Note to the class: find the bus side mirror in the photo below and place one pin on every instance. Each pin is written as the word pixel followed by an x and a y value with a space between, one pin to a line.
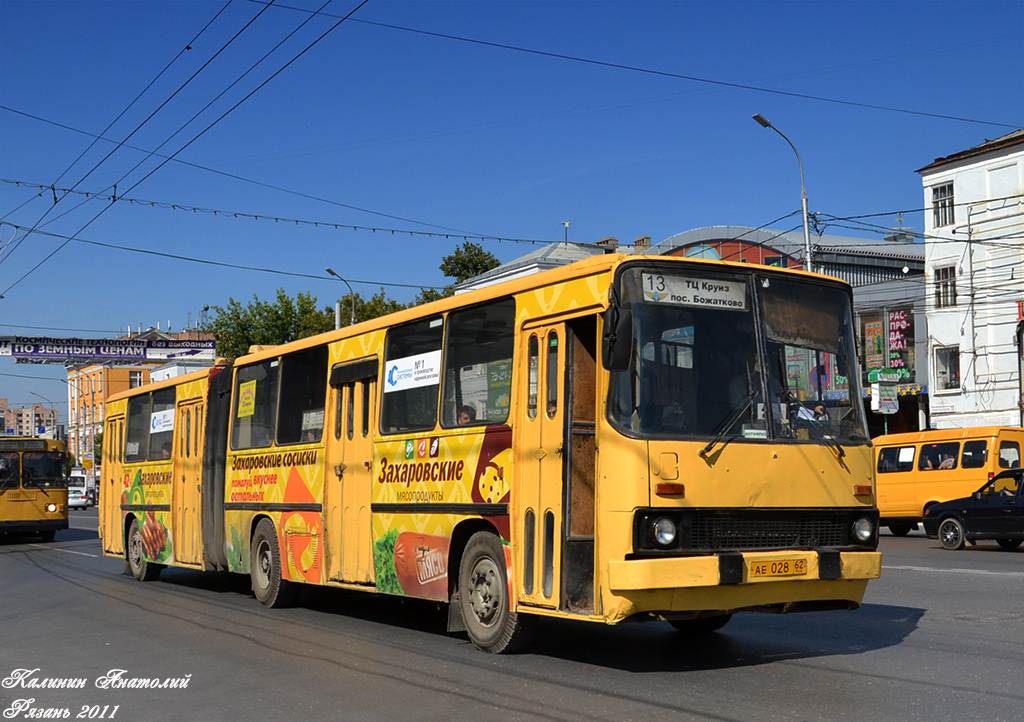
pixel 617 342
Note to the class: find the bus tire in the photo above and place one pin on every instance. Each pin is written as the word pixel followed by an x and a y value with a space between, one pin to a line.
pixel 1008 544
pixel 901 529
pixel 702 625
pixel 138 565
pixel 951 534
pixel 48 535
pixel 270 588
pixel 483 596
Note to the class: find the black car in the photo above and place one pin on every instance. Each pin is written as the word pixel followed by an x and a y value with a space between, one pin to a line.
pixel 995 511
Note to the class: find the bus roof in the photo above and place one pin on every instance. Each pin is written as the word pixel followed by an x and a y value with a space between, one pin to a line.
pixel 932 435
pixel 605 264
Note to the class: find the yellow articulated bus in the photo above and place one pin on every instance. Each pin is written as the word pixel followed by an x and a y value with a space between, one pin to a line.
pixel 33 486
pixel 621 438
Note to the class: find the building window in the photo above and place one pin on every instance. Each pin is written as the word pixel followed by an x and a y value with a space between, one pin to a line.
pixel 942 205
pixel 134 379
pixel 945 287
pixel 947 368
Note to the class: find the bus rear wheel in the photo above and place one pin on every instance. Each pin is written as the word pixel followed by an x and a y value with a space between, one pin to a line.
pixel 138 565
pixel 491 624
pixel 270 588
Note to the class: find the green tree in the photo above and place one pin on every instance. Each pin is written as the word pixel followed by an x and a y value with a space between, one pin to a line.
pixel 264 323
pixel 97 448
pixel 464 263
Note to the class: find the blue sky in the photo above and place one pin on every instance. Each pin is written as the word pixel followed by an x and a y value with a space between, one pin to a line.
pixel 433 117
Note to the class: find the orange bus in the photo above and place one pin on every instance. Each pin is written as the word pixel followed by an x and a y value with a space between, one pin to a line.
pixel 622 438
pixel 33 486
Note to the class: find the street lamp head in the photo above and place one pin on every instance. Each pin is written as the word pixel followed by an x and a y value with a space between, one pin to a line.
pixel 764 122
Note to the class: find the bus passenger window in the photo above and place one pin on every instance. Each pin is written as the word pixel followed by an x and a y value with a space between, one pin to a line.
pixel 161 425
pixel 1009 455
pixel 300 417
pixel 255 405
pixel 478 364
pixel 975 454
pixel 411 376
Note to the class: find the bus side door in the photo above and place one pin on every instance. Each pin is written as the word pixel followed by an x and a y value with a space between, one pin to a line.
pixel 111 488
pixel 541 432
pixel 349 475
pixel 556 457
pixel 186 484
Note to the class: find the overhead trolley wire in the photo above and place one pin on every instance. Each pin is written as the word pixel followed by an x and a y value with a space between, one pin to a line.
pixel 121 143
pixel 199 135
pixel 664 73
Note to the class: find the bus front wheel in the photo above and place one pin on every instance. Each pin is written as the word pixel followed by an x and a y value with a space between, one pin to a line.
pixel 138 565
pixel 265 568
pixel 701 625
pixel 483 595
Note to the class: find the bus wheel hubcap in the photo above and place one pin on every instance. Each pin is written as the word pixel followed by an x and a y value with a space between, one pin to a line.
pixel 485 597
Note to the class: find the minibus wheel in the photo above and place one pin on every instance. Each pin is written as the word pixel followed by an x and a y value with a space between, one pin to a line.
pixel 899 529
pixel 1008 544
pixel 483 595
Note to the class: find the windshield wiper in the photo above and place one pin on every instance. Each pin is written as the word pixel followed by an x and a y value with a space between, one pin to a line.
pixel 734 416
pixel 827 439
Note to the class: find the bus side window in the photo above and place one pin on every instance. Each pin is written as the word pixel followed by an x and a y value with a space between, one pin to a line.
pixel 1009 455
pixel 412 363
pixel 478 364
pixel 975 454
pixel 300 415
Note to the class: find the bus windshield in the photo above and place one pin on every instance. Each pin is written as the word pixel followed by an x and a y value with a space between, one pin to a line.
pixel 43 470
pixel 739 356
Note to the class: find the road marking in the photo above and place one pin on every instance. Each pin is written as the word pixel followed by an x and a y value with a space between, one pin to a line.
pixel 66 551
pixel 953 571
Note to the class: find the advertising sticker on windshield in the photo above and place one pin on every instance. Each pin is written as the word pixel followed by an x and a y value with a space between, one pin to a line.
pixel 692 291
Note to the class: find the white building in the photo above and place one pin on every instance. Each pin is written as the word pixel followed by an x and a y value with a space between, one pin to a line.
pixel 974 266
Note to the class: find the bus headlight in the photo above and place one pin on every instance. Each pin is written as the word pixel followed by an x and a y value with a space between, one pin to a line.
pixel 863 530
pixel 51 508
pixel 664 532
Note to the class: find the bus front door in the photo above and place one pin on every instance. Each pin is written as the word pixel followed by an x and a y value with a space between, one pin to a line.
pixel 557 459
pixel 541 486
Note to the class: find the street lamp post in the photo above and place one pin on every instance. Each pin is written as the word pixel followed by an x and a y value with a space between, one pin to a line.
pixel 351 293
pixel 53 408
pixel 765 123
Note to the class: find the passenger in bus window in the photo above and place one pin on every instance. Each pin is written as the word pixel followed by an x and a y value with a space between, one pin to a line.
pixel 467 415
pixel 165 450
pixel 947 462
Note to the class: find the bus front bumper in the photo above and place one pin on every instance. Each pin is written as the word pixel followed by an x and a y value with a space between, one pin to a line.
pixel 742 568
